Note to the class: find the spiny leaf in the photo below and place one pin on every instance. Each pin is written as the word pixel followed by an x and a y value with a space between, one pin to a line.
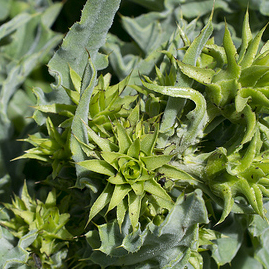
pixel 197 117
pixel 199 42
pixel 122 208
pixel 76 79
pixel 153 187
pixel 98 166
pixel 252 49
pixel 246 37
pixel 117 179
pixel 103 143
pixel 134 149
pixel 202 75
pixel 102 200
pixel 148 142
pixel 176 174
pixel 119 193
pixel 138 188
pixel 154 162
pixel 134 202
pixel 123 138
pixel 233 69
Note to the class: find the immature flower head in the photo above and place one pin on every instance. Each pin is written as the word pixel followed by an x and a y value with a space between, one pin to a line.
pixel 53 149
pixel 44 218
pixel 129 166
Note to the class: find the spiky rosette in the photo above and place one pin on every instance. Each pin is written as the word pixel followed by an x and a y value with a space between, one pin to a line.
pixel 129 164
pixel 53 149
pixel 32 215
pixel 106 101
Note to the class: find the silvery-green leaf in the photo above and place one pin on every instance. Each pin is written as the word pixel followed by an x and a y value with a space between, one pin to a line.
pixel 15 256
pixel 226 248
pixel 166 246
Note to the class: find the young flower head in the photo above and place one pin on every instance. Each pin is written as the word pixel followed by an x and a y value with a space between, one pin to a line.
pixel 44 218
pixel 128 166
pixel 53 149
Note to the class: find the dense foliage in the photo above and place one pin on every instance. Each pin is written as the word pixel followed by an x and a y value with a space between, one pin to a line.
pixel 136 137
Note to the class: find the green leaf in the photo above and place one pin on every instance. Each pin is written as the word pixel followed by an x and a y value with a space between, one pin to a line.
pixel 14 256
pixel 138 188
pixel 76 79
pixel 103 143
pixel 153 187
pixel 195 49
pixel 177 174
pixel 134 203
pixel 117 179
pixel 246 37
pixel 175 105
pixel 202 75
pixel 112 158
pixel 102 200
pixel 119 193
pixel 251 152
pixel 226 248
pixel 122 208
pixel 165 246
pixel 197 117
pixel 123 138
pixel 26 198
pixel 134 149
pixel 9 27
pixel 51 13
pixel 252 49
pixel 154 162
pixel 98 166
pixel 233 69
pixel 148 142
pixel 5 9
pixel 79 50
pixel 87 35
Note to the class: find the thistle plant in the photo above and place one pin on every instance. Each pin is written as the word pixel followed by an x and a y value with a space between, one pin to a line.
pixel 232 87
pixel 144 170
pixel 235 83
